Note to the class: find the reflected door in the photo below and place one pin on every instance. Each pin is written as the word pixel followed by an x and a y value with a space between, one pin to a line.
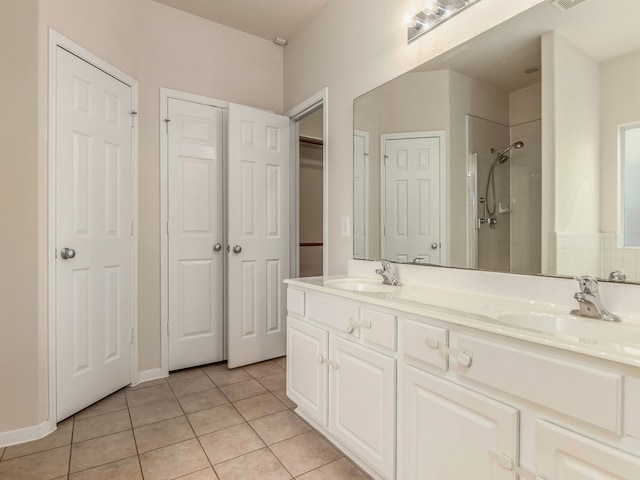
pixel 360 194
pixel 196 258
pixel 94 234
pixel 259 234
pixel 411 198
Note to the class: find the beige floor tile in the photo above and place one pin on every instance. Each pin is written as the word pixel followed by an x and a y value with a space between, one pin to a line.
pixel 282 361
pixel 230 443
pixel 258 465
pixel 341 469
pixel 273 383
pixel 214 419
pixel 60 437
pixel 242 390
pixel 282 396
pixel 114 402
pixel 1 452
pixel 101 425
pixel 127 469
pixel 173 461
pixel 190 385
pixel 228 377
pixel 150 383
pixel 155 412
pixel 194 402
pixel 206 474
pixel 184 374
pixel 99 451
pixel 262 369
pixel 279 426
pixel 37 466
pixel 305 452
pixel 216 368
pixel 144 396
pixel 256 407
pixel 163 433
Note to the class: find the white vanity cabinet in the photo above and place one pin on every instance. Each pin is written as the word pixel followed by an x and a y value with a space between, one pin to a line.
pixel 340 383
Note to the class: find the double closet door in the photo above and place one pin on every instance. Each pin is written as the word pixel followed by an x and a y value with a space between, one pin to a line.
pixel 228 233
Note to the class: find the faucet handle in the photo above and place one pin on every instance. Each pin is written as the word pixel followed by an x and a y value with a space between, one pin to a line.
pixel 588 284
pixel 386 264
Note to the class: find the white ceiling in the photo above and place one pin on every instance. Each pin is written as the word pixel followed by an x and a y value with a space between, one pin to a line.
pixel 264 18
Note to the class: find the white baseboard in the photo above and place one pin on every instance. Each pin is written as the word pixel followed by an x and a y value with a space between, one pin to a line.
pixel 148 375
pixel 27 434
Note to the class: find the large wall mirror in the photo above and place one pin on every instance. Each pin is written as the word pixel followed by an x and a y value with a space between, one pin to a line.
pixel 517 151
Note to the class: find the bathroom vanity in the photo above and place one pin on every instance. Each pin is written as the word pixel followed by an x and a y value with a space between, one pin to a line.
pixel 425 381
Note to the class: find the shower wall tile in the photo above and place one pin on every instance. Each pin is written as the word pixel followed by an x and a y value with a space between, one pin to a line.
pixel 579 254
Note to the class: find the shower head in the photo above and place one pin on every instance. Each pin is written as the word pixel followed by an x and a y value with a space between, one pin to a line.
pixel 503 157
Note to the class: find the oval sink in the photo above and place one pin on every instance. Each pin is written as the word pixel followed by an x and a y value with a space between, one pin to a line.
pixel 360 285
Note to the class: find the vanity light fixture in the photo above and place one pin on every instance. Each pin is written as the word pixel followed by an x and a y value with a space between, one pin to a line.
pixel 432 14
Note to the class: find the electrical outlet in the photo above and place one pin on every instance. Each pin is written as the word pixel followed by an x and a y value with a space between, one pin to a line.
pixel 344 226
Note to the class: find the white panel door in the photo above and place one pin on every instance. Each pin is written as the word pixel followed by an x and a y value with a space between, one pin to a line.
pixel 258 233
pixel 411 200
pixel 360 194
pixel 196 260
pixel 93 219
pixel 362 402
pixel 452 433
pixel 307 368
pixel 565 455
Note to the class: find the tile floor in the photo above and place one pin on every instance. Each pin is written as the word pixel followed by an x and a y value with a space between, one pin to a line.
pixel 204 423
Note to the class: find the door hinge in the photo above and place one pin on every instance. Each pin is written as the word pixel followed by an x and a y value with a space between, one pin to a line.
pixel 386 157
pixel 166 122
pixel 167 228
pixel 133 114
pixel 131 228
pixel 132 334
pixel 167 328
pixel 384 230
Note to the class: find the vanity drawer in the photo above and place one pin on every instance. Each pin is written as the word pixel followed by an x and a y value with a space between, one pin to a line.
pixel 339 315
pixel 590 395
pixel 379 328
pixel 417 338
pixel 295 301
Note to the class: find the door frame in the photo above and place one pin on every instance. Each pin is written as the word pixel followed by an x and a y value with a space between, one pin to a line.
pixel 365 135
pixel 56 40
pixel 165 95
pixel 440 134
pixel 297 113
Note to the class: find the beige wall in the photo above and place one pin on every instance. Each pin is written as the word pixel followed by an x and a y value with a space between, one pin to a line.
pixel 158 46
pixel 352 47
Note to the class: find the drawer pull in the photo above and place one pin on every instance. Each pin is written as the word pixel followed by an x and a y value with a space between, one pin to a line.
pixel 463 357
pixel 366 324
pixel 334 365
pixel 350 327
pixel 508 464
pixel 320 359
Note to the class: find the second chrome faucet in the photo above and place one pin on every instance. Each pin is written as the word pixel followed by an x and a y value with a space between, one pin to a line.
pixel 589 300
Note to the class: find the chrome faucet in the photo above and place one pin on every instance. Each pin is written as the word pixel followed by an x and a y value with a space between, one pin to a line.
pixel 589 300
pixel 388 277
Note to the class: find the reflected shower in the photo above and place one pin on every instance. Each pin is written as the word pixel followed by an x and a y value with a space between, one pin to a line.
pixel 490 205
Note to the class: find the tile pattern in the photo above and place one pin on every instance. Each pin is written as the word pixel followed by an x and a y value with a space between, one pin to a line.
pixel 205 423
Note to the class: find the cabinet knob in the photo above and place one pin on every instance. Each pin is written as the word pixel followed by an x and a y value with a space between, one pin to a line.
pixel 464 359
pixel 320 359
pixel 350 326
pixel 433 343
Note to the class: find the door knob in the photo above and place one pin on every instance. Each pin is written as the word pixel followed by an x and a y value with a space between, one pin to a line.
pixel 434 245
pixel 236 249
pixel 67 253
pixel 217 247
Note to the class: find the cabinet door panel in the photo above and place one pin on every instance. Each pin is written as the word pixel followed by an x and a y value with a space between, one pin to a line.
pixel 362 406
pixel 307 368
pixel 452 433
pixel 564 455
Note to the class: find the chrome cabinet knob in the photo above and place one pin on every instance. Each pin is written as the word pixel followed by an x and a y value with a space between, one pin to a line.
pixel 67 253
pixel 217 247
pixel 236 249
pixel 434 245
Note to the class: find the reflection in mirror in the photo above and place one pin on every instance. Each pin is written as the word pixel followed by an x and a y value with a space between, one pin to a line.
pixel 502 154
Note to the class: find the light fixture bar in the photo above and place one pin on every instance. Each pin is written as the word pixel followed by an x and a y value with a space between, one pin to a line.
pixel 433 14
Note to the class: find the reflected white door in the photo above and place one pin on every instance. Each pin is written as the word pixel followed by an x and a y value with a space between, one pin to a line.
pixel 360 193
pixel 195 234
pixel 411 199
pixel 93 218
pixel 258 233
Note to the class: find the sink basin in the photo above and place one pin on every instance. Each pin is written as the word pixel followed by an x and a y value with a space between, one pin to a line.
pixel 360 285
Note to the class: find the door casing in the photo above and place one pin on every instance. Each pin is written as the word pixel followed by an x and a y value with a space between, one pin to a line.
pixel 56 41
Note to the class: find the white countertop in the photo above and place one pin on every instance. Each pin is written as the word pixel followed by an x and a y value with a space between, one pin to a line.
pixel 534 321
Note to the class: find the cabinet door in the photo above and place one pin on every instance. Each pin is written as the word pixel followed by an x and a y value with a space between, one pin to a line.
pixel 564 455
pixel 452 433
pixel 307 368
pixel 362 402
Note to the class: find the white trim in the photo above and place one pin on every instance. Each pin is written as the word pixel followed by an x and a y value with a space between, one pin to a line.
pixel 57 40
pixel 297 113
pixel 165 95
pixel 28 434
pixel 365 135
pixel 440 134
pixel 148 375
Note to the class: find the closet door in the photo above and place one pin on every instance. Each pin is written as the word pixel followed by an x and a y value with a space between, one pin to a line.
pixel 258 233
